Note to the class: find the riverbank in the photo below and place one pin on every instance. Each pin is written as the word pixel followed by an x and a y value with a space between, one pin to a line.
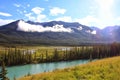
pixel 30 69
pixel 107 69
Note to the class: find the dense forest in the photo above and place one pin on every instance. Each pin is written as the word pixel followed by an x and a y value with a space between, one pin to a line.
pixel 17 56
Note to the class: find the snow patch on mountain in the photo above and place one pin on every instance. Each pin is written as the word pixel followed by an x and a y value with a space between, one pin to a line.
pixel 26 27
pixel 93 32
pixel 79 28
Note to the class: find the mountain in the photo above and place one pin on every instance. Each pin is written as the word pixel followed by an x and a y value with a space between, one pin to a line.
pixel 56 33
pixel 46 33
pixel 111 33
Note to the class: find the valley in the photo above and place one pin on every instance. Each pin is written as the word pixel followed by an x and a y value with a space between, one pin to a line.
pixel 59 40
pixel 27 44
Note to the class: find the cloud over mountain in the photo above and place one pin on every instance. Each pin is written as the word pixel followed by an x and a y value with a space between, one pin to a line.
pixel 23 26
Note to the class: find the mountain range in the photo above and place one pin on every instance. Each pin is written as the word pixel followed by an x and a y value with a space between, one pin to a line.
pixel 56 33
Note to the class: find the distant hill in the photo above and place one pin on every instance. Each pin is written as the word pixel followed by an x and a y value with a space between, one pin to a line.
pixel 54 33
pixel 109 34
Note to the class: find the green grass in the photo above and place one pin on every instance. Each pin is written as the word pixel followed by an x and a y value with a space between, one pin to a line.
pixel 105 69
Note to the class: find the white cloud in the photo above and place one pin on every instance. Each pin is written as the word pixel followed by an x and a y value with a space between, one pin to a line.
pixel 36 15
pixel 5 14
pixel 3 22
pixel 88 20
pixel 101 15
pixel 40 17
pixel 105 13
pixel 93 9
pixel 105 9
pixel 23 26
pixel 56 10
pixel 37 10
pixel 118 19
pixel 29 16
pixel 17 5
pixel 65 18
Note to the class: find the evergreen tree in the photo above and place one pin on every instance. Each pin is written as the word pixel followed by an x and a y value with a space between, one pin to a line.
pixel 47 57
pixel 3 72
pixel 90 57
pixel 56 55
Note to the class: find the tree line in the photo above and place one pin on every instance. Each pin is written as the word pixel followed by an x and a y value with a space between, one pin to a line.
pixel 16 56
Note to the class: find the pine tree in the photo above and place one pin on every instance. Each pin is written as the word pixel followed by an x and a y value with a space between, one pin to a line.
pixel 56 55
pixel 47 57
pixel 90 57
pixel 3 72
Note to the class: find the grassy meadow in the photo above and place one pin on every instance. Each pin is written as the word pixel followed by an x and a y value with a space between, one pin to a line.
pixel 104 69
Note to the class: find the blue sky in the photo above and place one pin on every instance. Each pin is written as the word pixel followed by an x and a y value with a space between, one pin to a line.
pixel 99 13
